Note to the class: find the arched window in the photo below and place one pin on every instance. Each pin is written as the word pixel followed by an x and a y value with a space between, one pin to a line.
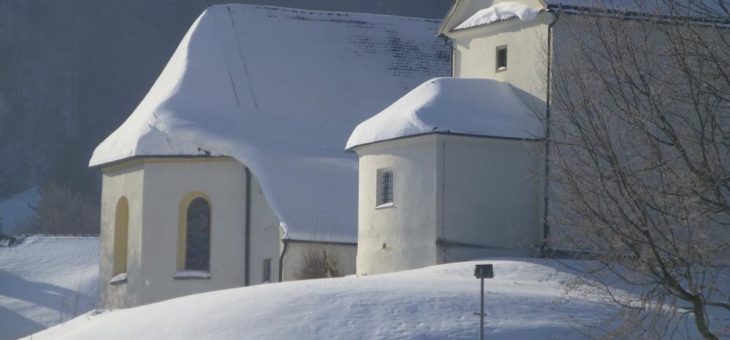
pixel 121 229
pixel 194 243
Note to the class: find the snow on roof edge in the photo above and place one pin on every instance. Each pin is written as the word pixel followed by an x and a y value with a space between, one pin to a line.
pixel 499 12
pixel 612 9
pixel 452 105
pixel 445 133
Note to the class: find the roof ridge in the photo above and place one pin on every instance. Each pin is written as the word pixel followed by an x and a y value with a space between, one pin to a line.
pixel 319 11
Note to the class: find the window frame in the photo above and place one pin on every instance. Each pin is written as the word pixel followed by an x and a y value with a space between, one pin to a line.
pixel 266 270
pixel 182 269
pixel 120 242
pixel 382 199
pixel 499 67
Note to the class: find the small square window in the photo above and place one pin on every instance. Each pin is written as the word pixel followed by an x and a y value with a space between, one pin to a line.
pixel 385 187
pixel 501 58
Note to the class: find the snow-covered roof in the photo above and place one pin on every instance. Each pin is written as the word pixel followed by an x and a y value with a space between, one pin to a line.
pixel 472 13
pixel 695 10
pixel 479 107
pixel 498 12
pixel 686 7
pixel 279 89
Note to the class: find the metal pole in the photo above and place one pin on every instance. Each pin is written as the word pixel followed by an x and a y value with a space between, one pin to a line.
pixel 481 315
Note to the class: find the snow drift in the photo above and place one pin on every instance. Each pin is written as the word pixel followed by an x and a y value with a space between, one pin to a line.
pixel 523 301
pixel 45 280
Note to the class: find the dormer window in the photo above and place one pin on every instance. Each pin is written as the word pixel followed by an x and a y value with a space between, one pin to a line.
pixel 501 58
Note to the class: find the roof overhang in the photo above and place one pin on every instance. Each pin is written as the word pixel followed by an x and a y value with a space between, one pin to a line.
pixel 142 158
pixel 353 149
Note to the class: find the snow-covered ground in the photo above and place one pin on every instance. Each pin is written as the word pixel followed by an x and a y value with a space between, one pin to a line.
pixel 45 280
pixel 524 301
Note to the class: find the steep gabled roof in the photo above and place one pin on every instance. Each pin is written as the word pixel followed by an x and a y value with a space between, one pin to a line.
pixel 279 89
pixel 477 107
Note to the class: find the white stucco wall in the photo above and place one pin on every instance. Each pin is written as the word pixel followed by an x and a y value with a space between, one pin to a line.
pixel 402 236
pixel 458 197
pixel 572 39
pixel 160 185
pixel 120 182
pixel 493 197
pixel 527 65
pixel 343 256
pixel 455 198
pixel 565 53
pixel 265 236
pixel 475 55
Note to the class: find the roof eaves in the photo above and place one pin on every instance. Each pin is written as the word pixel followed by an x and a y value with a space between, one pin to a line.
pixel 143 157
pixel 442 28
pixel 446 133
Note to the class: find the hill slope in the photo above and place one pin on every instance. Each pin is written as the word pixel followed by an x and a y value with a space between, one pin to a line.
pixel 524 301
pixel 45 280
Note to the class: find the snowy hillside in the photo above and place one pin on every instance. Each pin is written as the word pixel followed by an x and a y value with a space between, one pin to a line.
pixel 524 301
pixel 45 280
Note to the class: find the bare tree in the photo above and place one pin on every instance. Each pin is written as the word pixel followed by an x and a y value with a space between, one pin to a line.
pixel 64 211
pixel 639 145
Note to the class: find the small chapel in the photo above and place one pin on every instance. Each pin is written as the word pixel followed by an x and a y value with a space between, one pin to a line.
pixel 231 170
pixel 454 170
pixel 276 138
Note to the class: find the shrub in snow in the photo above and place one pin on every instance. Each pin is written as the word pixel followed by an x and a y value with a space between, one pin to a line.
pixel 7 240
pixel 317 263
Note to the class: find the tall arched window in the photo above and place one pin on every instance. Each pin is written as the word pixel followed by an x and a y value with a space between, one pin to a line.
pixel 194 244
pixel 121 229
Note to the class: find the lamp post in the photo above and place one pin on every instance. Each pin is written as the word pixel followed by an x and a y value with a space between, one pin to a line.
pixel 483 271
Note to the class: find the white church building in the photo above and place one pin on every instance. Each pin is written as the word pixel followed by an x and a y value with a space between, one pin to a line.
pixel 232 170
pixel 449 172
pixel 454 170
